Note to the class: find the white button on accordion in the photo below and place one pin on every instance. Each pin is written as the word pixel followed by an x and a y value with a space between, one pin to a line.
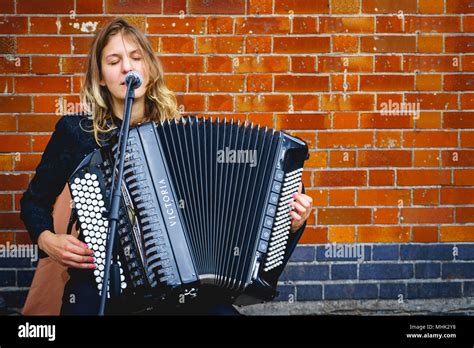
pixel 205 206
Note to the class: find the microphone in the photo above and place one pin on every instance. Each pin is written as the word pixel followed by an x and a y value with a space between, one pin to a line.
pixel 133 79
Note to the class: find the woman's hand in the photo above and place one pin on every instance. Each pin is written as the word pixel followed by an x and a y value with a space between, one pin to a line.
pixel 302 205
pixel 66 249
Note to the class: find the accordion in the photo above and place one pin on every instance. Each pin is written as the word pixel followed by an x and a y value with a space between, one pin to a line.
pixel 205 206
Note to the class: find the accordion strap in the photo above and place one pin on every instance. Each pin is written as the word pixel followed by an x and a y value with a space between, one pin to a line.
pixel 72 219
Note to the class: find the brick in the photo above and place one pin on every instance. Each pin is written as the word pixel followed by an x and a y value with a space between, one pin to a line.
pixel 425 234
pixel 81 25
pixel 8 45
pixel 44 25
pixel 14 65
pixel 306 272
pixel 320 197
pixel 216 7
pixel 467 139
pixel 458 120
pixel 459 6
pixel 427 215
pixel 304 25
pixel 301 44
pixel 259 83
pixel 346 24
pixel 463 158
pixel 388 44
pixel 344 216
pixel 25 277
pixel 389 24
pixel 219 64
pixel 390 63
pixel 74 65
pixel 220 25
pixel 430 43
pixel 342 159
pixel 386 82
pixel 347 83
pixel 6 164
pixel 45 65
pixel 468 289
pixel 349 102
pixel 427 270
pixel 301 83
pixel 464 177
pixel 341 234
pixel 465 252
pixel 285 293
pixel 459 44
pixel 381 158
pixel 14 25
pixel 14 143
pixel 344 139
pixel 428 82
pixel 27 162
pixel 220 103
pixel 258 44
pixel 428 120
pixel 388 6
pixel 301 7
pixel 385 252
pixel 388 139
pixel 349 63
pixel 89 6
pixel 317 159
pixel 40 7
pixel 425 196
pixel 432 24
pixel 430 139
pixel 260 7
pixel 459 82
pixel 183 63
pixel 7 278
pixel 431 6
pixel 426 252
pixel 176 25
pixel 307 102
pixel 345 120
pixel 308 292
pixel 340 178
pixel 215 44
pixel 15 299
pixel 467 62
pixel 345 6
pixel 314 235
pixel 386 216
pixel 11 182
pixel 339 272
pixel 464 214
pixel 7 6
pixel 43 44
pixel 82 44
pixel 457 270
pixel 429 63
pixel 341 198
pixel 383 197
pixel 192 102
pixel 302 121
pixel 261 64
pixel 457 233
pixel 264 25
pixel 457 196
pixel 15 104
pixel 383 234
pixel 303 64
pixel 42 84
pixel 350 291
pixel 303 254
pixel 262 103
pixel 392 291
pixel 433 101
pixel 133 6
pixel 345 43
pixel 385 271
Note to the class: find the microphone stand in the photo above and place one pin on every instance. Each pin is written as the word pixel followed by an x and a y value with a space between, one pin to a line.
pixel 112 268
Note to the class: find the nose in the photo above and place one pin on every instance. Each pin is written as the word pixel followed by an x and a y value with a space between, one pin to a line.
pixel 126 65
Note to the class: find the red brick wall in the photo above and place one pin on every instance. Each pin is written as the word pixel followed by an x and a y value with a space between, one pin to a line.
pixel 322 69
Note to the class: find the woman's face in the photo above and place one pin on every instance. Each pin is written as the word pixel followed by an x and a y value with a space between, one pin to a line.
pixel 120 56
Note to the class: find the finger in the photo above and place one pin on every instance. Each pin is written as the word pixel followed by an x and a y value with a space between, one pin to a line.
pixel 76 241
pixel 78 250
pixel 300 187
pixel 78 258
pixel 295 215
pixel 80 265
pixel 303 200
pixel 299 207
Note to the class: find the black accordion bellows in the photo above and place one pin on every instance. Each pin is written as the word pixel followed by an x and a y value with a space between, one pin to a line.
pixel 205 206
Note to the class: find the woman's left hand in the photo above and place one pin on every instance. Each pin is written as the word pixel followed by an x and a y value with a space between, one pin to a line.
pixel 302 205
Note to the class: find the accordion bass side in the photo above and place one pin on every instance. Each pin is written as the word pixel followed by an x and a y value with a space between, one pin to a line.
pixel 205 207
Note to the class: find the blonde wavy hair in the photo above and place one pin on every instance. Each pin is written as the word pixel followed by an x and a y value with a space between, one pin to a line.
pixel 96 100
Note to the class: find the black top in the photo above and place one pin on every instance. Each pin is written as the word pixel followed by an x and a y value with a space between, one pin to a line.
pixel 71 141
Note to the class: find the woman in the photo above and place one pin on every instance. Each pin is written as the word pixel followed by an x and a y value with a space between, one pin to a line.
pixel 117 49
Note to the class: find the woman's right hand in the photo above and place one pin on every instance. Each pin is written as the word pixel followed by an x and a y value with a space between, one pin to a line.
pixel 66 249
